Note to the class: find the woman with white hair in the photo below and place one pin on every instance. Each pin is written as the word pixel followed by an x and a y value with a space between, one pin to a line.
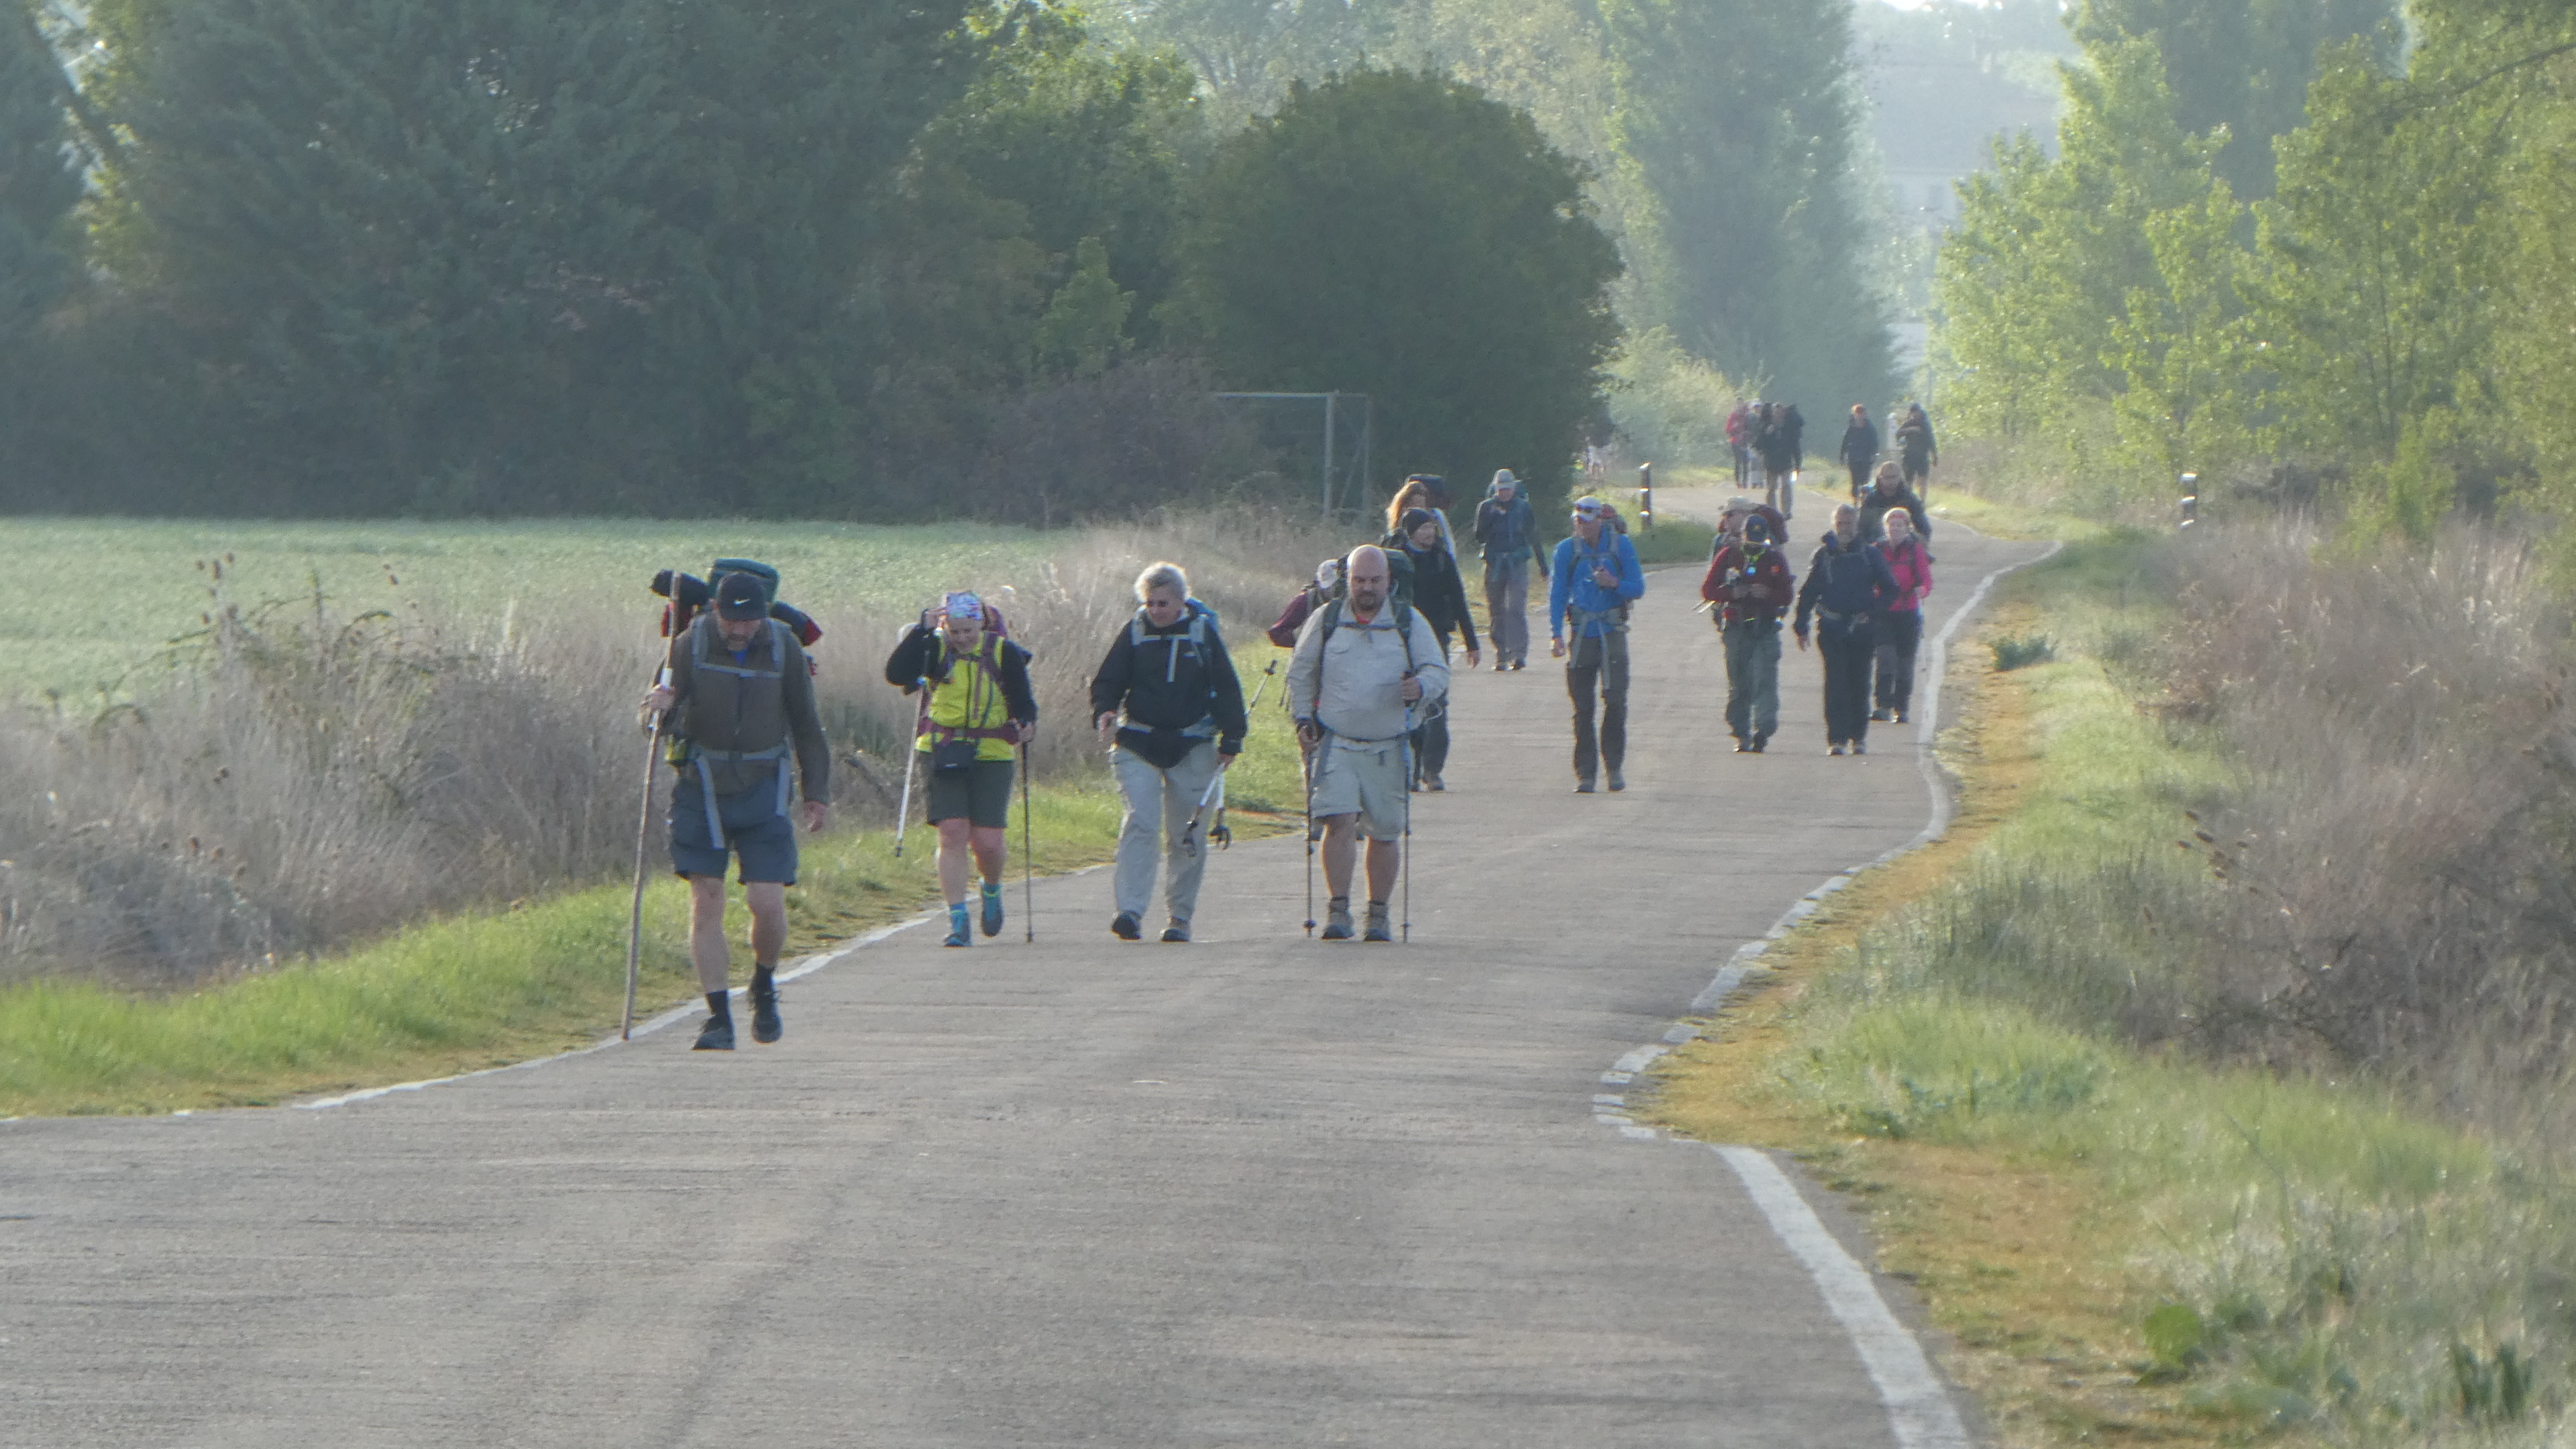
pixel 1167 702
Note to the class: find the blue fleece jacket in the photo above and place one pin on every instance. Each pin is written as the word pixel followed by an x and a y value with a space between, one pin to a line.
pixel 1570 584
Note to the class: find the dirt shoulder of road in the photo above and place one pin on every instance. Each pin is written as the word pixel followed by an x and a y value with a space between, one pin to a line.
pixel 2022 1263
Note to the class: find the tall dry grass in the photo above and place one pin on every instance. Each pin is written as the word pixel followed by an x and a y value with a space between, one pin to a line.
pixel 306 780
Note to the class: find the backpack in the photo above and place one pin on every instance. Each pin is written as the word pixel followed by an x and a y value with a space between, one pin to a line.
pixel 1399 576
pixel 688 594
pixel 1201 625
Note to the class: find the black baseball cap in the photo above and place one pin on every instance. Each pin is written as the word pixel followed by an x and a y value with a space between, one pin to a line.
pixel 739 597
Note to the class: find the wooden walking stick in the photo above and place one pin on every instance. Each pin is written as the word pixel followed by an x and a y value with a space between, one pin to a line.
pixel 643 828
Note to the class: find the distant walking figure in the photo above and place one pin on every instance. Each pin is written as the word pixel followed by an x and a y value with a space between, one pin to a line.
pixel 1751 586
pixel 1915 447
pixel 1507 535
pixel 1900 625
pixel 1860 448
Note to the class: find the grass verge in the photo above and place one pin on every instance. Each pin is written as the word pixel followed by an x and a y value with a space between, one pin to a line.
pixel 2126 1246
pixel 476 991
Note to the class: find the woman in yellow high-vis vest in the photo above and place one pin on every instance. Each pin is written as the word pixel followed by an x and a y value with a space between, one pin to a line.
pixel 980 711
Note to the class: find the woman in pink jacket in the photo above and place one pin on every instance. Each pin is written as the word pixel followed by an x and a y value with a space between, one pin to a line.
pixel 1900 626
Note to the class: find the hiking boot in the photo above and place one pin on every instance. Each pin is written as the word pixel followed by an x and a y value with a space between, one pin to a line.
pixel 1618 781
pixel 716 1035
pixel 1761 743
pixel 1901 718
pixel 1835 749
pixel 1582 787
pixel 765 1025
pixel 1126 927
pixel 992 922
pixel 1860 747
pixel 1519 664
pixel 1177 934
pixel 1432 784
pixel 1337 921
pixel 1377 927
pixel 1880 714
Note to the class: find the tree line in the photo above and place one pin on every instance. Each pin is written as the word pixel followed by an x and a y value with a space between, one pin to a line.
pixel 868 258
pixel 2298 248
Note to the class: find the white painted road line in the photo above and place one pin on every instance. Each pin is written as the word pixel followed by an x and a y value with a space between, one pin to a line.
pixel 1919 1411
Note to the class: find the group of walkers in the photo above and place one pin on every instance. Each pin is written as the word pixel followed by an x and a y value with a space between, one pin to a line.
pixel 1769 440
pixel 1916 452
pixel 1860 606
pixel 1368 683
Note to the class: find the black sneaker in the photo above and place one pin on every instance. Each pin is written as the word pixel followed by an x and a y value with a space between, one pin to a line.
pixel 765 1025
pixel 1860 747
pixel 1126 927
pixel 1761 743
pixel 716 1035
pixel 1177 934
pixel 1880 714
pixel 1743 746
pixel 1618 782
pixel 1582 787
pixel 1901 718
pixel 1836 749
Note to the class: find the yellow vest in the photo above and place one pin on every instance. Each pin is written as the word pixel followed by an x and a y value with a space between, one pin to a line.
pixel 971 698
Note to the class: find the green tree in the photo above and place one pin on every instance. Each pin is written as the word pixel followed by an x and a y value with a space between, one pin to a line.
pixel 2380 268
pixel 1735 123
pixel 490 254
pixel 1408 237
pixel 2241 64
pixel 40 181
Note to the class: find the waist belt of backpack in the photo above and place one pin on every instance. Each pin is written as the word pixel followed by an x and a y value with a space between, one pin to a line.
pixel 940 734
pixel 1825 613
pixel 1586 618
pixel 707 781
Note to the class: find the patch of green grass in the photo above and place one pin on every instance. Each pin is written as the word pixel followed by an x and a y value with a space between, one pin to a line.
pixel 144 585
pixel 476 991
pixel 2303 1255
pixel 1673 540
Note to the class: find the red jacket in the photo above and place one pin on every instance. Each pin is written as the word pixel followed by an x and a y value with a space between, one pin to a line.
pixel 1912 568
pixel 1292 619
pixel 1761 598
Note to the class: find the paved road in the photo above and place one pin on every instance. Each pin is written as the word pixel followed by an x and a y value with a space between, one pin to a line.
pixel 1252 1191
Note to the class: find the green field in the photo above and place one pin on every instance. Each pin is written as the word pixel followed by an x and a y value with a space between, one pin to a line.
pixel 140 584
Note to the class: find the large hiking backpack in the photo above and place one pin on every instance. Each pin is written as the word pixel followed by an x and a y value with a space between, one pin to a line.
pixel 688 594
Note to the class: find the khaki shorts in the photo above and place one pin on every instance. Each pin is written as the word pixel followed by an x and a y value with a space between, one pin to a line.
pixel 1363 780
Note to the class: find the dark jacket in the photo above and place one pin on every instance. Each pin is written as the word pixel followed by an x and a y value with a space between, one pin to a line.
pixel 1794 423
pixel 1504 530
pixel 1777 444
pixel 922 653
pixel 1761 595
pixel 1166 684
pixel 1852 583
pixel 1860 444
pixel 1914 437
pixel 1874 504
pixel 1439 594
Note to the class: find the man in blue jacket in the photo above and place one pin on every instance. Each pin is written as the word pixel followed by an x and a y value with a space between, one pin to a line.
pixel 1594 579
pixel 1848 584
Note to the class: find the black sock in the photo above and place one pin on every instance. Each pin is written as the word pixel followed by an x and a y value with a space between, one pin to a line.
pixel 719 1006
pixel 764 978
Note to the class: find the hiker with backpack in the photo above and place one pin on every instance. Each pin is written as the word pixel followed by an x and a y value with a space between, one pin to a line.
pixel 1887 493
pixel 1594 579
pixel 1749 587
pixel 1847 586
pixel 1167 700
pixel 1900 624
pixel 739 699
pixel 1916 448
pixel 1778 444
pixel 977 711
pixel 1506 534
pixel 1328 581
pixel 1860 447
pixel 1440 596
pixel 1365 665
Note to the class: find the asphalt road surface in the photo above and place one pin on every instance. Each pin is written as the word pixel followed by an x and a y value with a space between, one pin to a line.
pixel 1257 1190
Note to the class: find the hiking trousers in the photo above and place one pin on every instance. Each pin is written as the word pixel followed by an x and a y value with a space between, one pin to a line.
pixel 1598 662
pixel 1900 635
pixel 1752 678
pixel 1846 649
pixel 1780 490
pixel 1507 609
pixel 1159 803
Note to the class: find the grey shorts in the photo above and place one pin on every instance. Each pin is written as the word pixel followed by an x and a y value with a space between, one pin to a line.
pixel 754 831
pixel 1364 780
pixel 981 792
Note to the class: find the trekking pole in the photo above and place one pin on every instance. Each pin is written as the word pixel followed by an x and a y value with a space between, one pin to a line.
pixel 1028 854
pixel 1407 748
pixel 1309 763
pixel 643 828
pixel 1189 832
pixel 911 759
pixel 1264 684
